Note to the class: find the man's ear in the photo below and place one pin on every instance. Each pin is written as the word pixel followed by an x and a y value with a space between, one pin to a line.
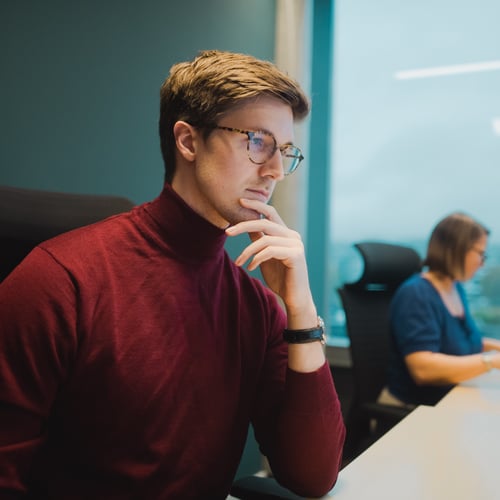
pixel 185 139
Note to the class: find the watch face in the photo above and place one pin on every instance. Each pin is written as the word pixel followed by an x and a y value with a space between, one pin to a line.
pixel 321 324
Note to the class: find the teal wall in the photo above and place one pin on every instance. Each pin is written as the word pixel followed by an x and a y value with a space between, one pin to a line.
pixel 81 79
pixel 80 89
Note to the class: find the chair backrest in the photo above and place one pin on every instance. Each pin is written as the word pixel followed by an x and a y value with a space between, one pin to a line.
pixel 366 306
pixel 29 216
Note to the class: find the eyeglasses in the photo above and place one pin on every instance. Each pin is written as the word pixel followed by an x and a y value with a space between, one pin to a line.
pixel 481 254
pixel 262 145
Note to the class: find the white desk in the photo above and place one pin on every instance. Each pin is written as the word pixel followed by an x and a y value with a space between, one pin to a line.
pixel 481 394
pixel 490 380
pixel 447 452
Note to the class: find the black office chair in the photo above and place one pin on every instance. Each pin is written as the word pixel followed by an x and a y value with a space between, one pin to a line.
pixel 29 216
pixel 366 306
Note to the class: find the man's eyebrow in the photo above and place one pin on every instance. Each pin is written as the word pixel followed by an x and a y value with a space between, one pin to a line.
pixel 267 131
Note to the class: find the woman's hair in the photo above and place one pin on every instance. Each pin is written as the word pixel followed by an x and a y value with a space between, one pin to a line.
pixel 449 243
pixel 201 91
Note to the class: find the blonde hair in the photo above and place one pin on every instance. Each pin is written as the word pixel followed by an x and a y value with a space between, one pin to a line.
pixel 201 91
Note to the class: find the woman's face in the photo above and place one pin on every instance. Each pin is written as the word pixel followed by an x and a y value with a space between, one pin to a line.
pixel 475 257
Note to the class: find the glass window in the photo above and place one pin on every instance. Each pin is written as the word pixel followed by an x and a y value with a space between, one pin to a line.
pixel 416 132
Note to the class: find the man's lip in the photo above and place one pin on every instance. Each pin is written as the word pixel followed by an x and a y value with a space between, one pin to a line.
pixel 259 194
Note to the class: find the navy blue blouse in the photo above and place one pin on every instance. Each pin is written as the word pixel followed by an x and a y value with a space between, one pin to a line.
pixel 420 321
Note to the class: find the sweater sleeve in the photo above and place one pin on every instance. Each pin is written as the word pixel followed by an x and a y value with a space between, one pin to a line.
pixel 302 432
pixel 310 434
pixel 37 335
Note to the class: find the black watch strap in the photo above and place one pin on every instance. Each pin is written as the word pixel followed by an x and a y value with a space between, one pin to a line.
pixel 306 335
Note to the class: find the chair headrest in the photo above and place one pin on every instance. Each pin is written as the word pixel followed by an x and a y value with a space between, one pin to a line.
pixel 386 265
pixel 38 215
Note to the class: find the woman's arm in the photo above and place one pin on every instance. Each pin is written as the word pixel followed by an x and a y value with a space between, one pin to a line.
pixel 490 344
pixel 434 368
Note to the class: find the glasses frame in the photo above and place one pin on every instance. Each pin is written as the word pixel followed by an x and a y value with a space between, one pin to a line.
pixel 481 253
pixel 283 148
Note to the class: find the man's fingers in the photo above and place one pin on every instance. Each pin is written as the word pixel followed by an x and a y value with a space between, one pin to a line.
pixel 270 247
pixel 267 211
pixel 262 226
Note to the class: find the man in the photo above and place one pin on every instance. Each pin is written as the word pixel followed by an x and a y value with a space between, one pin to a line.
pixel 135 353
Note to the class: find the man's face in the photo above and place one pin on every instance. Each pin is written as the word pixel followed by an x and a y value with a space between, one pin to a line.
pixel 223 172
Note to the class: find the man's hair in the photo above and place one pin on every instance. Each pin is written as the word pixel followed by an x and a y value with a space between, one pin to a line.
pixel 201 91
pixel 450 241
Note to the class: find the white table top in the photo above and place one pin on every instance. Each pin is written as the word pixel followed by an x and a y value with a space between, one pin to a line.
pixel 481 393
pixel 490 380
pixel 447 452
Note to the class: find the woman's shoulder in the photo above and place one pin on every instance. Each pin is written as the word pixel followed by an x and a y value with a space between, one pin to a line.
pixel 416 298
pixel 414 282
pixel 416 287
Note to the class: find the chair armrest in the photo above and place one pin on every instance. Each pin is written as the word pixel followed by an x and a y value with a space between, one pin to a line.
pixel 387 413
pixel 260 488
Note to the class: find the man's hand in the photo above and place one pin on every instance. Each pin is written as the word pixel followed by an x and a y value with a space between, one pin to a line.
pixel 279 252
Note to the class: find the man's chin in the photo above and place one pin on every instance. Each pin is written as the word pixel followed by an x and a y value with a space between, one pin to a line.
pixel 247 214
pixel 244 215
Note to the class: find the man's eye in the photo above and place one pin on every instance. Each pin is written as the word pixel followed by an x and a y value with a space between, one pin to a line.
pixel 257 141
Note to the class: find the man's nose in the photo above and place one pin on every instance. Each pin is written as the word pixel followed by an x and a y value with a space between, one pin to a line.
pixel 274 167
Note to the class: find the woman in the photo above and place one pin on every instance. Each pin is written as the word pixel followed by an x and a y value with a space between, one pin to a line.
pixel 436 343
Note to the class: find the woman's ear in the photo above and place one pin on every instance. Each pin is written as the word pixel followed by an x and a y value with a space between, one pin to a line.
pixel 185 140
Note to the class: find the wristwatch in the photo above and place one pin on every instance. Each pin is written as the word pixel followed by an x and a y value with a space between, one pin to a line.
pixel 307 335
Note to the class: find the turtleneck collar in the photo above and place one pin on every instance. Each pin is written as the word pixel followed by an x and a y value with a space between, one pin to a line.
pixel 186 233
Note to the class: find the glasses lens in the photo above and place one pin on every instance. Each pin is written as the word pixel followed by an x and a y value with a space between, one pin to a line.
pixel 292 156
pixel 482 254
pixel 261 146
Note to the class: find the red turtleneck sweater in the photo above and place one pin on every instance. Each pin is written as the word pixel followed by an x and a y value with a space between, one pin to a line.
pixel 134 354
